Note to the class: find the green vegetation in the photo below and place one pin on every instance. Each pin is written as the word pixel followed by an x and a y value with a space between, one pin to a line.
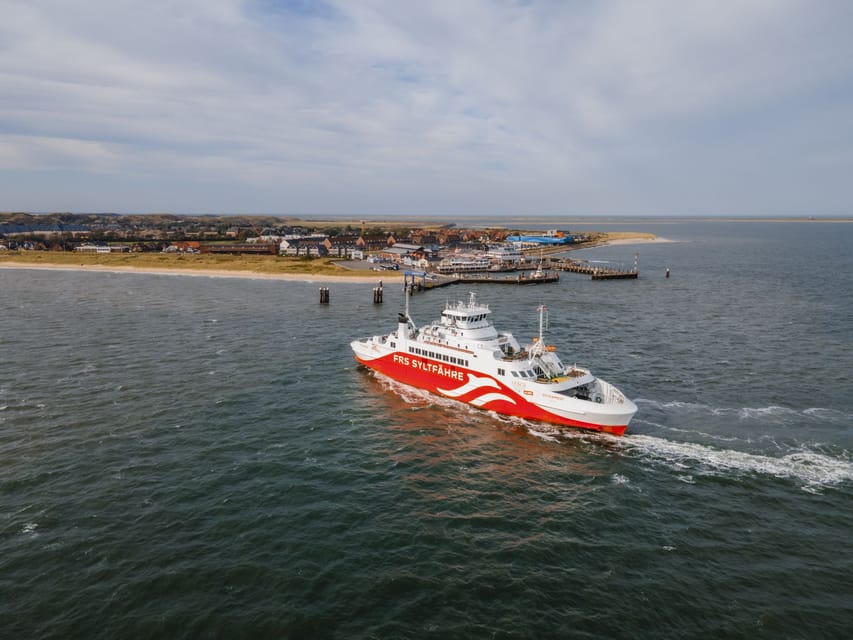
pixel 201 262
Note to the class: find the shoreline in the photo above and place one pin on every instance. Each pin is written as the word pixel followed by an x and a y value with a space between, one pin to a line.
pixel 385 276
pixel 624 241
pixel 210 273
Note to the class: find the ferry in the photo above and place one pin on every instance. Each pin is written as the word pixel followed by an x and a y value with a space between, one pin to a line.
pixel 504 258
pixel 505 253
pixel 463 356
pixel 463 264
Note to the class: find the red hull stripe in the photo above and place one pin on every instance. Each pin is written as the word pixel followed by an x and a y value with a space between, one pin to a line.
pixel 489 394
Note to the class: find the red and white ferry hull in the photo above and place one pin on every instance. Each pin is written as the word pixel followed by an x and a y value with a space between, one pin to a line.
pixel 488 392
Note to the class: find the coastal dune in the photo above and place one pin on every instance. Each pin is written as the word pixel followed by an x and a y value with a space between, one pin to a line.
pixel 388 276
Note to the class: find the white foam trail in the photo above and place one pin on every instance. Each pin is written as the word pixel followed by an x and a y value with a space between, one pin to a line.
pixel 813 469
pixel 542 435
pixel 414 395
pixel 749 413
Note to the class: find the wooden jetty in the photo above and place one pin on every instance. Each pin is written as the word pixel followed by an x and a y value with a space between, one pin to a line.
pixel 540 277
pixel 422 281
pixel 595 271
pixel 439 282
pixel 614 275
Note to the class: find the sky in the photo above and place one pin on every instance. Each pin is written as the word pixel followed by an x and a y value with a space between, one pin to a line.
pixel 447 107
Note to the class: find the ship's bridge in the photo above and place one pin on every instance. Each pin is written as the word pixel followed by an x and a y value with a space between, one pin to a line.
pixel 471 323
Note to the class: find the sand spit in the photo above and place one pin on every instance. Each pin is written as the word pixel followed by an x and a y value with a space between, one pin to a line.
pixel 611 243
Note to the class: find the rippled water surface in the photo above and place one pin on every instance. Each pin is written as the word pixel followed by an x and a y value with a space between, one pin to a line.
pixel 200 457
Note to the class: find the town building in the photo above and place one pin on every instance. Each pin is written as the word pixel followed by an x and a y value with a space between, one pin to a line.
pixel 102 248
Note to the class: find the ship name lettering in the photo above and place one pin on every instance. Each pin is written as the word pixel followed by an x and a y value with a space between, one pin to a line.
pixel 431 367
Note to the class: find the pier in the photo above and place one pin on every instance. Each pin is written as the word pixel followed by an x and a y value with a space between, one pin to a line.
pixel 423 281
pixel 540 277
pixel 414 281
pixel 597 272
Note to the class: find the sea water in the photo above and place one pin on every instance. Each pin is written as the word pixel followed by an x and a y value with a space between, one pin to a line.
pixel 186 457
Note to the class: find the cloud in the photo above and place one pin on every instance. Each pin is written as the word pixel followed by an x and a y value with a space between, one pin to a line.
pixel 441 107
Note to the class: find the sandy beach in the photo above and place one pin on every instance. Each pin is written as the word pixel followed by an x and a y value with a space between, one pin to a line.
pixel 613 243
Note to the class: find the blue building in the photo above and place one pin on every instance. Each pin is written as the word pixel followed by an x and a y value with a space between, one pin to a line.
pixel 555 239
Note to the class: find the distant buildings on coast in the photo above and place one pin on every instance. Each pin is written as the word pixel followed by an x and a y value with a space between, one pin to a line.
pixel 443 248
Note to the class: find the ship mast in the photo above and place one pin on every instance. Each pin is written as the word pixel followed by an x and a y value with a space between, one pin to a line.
pixel 407 293
pixel 539 346
pixel 405 321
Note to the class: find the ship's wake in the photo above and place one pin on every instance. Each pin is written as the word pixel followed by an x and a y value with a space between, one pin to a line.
pixel 803 464
pixel 814 470
pixel 766 441
pixel 783 415
pixel 418 398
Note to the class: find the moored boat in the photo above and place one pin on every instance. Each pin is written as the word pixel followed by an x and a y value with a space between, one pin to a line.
pixel 463 264
pixel 463 356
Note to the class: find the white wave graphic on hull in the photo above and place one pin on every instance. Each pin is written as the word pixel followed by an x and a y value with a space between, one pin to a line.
pixel 426 399
pixel 474 382
pixel 486 398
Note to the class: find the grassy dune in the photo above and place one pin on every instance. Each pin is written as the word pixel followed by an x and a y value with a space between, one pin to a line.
pixel 194 262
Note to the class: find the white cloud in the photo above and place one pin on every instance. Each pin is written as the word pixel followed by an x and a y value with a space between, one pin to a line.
pixel 36 153
pixel 422 107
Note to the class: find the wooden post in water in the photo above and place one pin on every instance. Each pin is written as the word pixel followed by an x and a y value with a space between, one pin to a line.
pixel 377 295
pixel 667 272
pixel 324 295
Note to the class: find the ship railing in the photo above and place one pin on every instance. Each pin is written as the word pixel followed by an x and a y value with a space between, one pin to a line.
pixel 612 395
